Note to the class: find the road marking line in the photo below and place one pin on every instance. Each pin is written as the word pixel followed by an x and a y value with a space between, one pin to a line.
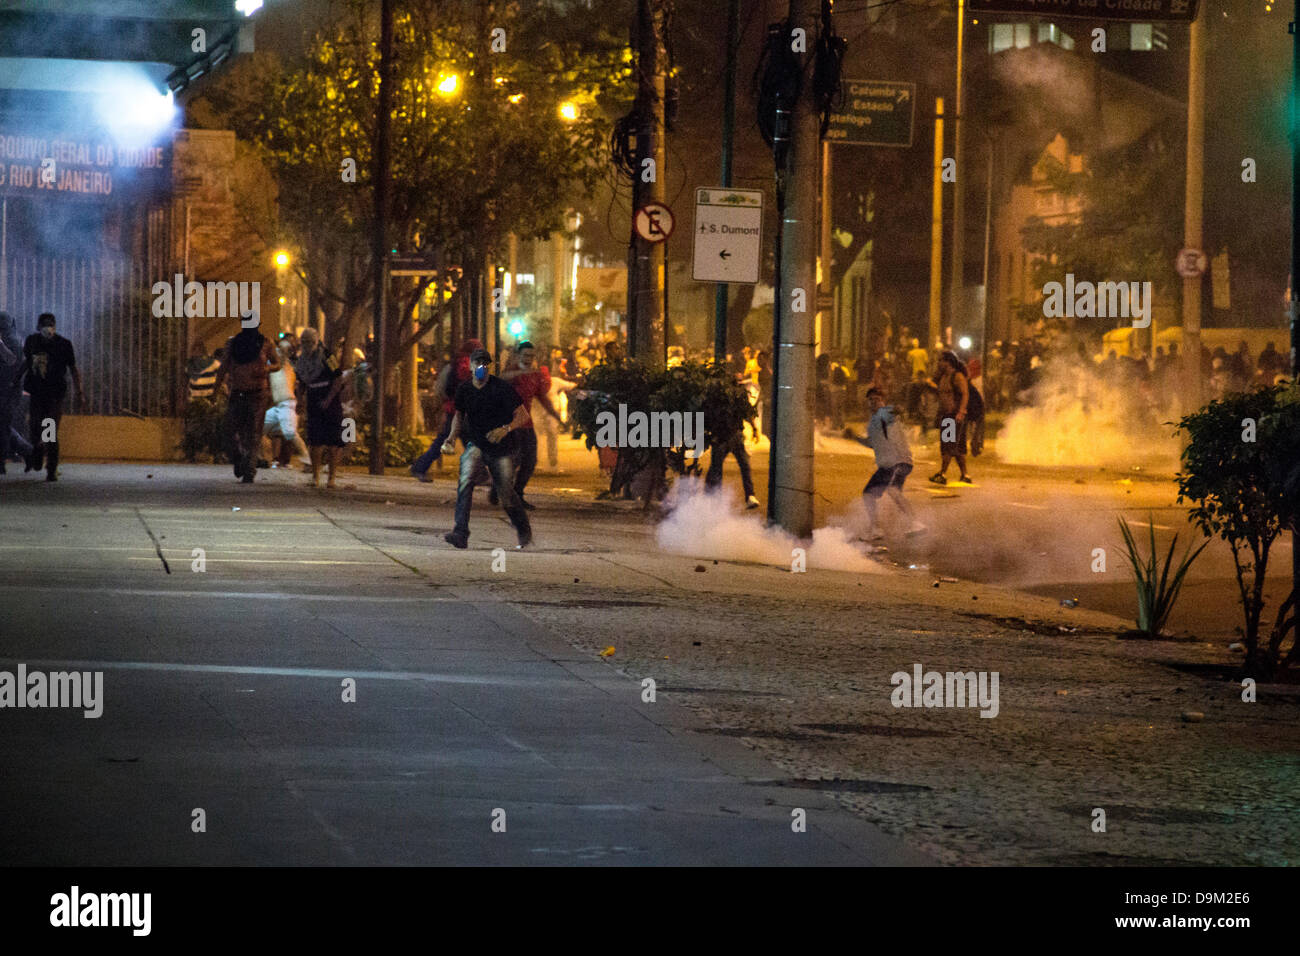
pixel 368 564
pixel 291 671
pixel 1021 504
pixel 224 595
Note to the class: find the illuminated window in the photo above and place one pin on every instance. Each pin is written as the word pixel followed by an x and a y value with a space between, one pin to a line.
pixel 1022 36
pixel 1140 37
pixel 1002 37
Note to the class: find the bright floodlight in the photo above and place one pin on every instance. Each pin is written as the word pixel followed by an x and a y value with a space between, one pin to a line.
pixel 136 110
pixel 516 327
pixel 248 7
pixel 964 341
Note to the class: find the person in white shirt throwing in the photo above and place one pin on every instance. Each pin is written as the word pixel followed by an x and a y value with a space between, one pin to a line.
pixel 887 437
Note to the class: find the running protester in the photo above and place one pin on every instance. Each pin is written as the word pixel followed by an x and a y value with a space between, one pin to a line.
pixel 249 360
pixel 887 437
pixel 490 412
pixel 450 377
pixel 531 382
pixel 47 360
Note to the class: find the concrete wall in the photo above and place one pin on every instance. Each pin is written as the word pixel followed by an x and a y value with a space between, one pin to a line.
pixel 119 438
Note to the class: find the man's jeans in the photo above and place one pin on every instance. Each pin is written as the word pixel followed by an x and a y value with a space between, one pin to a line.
pixel 527 459
pixel 502 470
pixel 42 408
pixel 735 445
pixel 244 416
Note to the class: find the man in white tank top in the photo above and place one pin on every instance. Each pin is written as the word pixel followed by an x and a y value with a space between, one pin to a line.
pixel 282 417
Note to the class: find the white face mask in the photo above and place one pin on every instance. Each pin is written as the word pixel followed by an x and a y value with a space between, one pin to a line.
pixel 47 331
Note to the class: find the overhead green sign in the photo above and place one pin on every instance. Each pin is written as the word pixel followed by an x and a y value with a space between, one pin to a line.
pixel 1144 11
pixel 876 113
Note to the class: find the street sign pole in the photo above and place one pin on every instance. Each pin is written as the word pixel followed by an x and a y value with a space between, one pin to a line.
pixel 728 125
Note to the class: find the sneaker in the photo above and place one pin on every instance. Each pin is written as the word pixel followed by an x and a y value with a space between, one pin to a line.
pixel 52 476
pixel 524 542
pixel 751 503
pixel 457 539
pixel 528 506
pixel 493 498
pixel 420 475
pixel 938 479
pixel 966 480
pixel 275 464
pixel 248 478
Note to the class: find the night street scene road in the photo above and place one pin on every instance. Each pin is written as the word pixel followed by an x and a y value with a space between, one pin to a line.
pixel 790 434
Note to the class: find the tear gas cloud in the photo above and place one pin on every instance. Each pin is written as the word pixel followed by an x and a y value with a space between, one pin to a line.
pixel 708 524
pixel 1078 417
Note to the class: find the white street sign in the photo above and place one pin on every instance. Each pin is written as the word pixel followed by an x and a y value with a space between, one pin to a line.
pixel 728 235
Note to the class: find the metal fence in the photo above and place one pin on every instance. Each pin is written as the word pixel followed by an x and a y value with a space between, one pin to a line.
pixel 131 362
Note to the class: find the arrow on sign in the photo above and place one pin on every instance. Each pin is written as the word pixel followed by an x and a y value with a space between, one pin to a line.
pixel 724 254
pixel 904 94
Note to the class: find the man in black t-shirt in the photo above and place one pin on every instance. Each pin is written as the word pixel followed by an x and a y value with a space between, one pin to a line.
pixel 488 411
pixel 47 360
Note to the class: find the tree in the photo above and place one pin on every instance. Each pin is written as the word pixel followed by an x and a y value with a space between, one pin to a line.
pixel 1123 217
pixel 1241 471
pixel 479 146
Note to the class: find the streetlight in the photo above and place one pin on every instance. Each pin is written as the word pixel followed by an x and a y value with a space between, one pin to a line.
pixel 568 111
pixel 449 84
pixel 282 259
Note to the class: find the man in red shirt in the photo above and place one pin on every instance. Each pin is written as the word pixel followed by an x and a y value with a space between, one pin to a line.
pixel 531 382
pixel 450 378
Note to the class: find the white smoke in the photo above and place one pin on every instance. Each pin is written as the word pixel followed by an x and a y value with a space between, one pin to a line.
pixel 709 524
pixel 1077 418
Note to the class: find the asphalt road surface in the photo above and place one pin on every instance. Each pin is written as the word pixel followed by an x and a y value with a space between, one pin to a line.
pixel 226 736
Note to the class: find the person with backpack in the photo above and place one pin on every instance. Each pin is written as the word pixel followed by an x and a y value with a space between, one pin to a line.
pixel 249 361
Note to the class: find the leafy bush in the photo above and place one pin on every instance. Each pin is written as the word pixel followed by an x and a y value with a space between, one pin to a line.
pixel 1241 471
pixel 1156 596
pixel 687 388
pixel 204 429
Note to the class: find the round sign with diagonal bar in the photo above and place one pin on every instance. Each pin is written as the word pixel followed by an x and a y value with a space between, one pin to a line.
pixel 654 222
pixel 1191 263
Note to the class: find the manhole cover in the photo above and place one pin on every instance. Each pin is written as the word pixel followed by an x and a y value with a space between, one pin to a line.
pixel 874 730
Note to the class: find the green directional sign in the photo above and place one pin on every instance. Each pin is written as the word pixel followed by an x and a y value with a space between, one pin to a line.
pixel 1145 11
pixel 875 113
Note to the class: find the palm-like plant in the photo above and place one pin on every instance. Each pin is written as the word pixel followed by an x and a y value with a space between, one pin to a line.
pixel 1156 595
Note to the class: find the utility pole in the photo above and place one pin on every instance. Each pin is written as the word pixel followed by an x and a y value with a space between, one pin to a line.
pixel 825 288
pixel 379 240
pixel 791 488
pixel 646 279
pixel 936 232
pixel 956 299
pixel 1295 246
pixel 1192 208
pixel 728 130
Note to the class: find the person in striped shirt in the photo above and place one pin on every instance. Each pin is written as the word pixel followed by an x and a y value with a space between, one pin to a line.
pixel 202 369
